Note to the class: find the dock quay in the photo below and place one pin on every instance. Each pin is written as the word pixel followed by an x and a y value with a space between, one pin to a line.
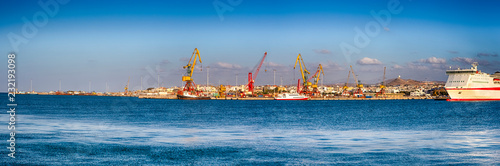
pixel 268 98
pixel 172 97
pixel 271 98
pixel 246 98
pixel 157 97
pixel 403 98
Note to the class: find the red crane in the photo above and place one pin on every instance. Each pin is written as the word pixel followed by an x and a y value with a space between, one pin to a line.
pixel 251 79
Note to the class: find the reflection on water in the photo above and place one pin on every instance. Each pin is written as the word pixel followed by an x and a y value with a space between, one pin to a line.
pixel 475 146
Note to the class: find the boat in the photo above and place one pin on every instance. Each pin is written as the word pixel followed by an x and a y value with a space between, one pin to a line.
pixel 189 96
pixel 291 96
pixel 472 85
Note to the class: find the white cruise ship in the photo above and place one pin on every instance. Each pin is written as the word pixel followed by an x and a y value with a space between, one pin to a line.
pixel 472 85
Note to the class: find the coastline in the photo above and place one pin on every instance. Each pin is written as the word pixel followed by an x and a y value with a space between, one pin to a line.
pixel 172 97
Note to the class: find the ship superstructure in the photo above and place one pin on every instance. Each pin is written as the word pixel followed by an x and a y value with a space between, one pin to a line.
pixel 472 84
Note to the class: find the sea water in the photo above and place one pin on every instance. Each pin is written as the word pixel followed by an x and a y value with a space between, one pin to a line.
pixel 93 130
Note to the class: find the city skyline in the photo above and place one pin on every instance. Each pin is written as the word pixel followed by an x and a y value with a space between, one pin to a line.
pixel 75 42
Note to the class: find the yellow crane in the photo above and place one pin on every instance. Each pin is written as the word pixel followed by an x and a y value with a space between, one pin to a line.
pixel 190 86
pixel 345 92
pixel 126 87
pixel 358 84
pixel 303 72
pixel 222 91
pixel 382 86
pixel 316 76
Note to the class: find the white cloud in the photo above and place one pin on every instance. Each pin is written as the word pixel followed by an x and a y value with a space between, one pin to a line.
pixel 332 66
pixel 481 54
pixel 369 61
pixel 164 62
pixel 322 51
pixel 227 65
pixel 417 66
pixel 467 61
pixel 463 60
pixel 272 64
pixel 433 60
pixel 397 67
pixel 184 59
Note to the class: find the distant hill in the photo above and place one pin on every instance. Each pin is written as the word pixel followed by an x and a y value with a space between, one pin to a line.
pixel 393 82
pixel 402 82
pixel 410 82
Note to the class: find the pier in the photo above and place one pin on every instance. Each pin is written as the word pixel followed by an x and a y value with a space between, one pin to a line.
pixel 271 98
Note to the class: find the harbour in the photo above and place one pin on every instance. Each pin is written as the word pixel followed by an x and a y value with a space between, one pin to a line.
pixel 396 89
pixel 260 132
pixel 234 82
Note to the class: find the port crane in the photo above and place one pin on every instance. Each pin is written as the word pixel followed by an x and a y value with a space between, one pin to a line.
pixel 251 77
pixel 345 92
pixel 126 87
pixel 190 85
pixel 303 71
pixel 316 77
pixel 222 91
pixel 382 86
pixel 359 91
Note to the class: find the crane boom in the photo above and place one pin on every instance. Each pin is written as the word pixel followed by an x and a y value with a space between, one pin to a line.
pixel 316 75
pixel 383 79
pixel 345 92
pixel 359 92
pixel 354 75
pixel 320 68
pixel 313 76
pixel 251 79
pixel 190 66
pixel 260 65
pixel 303 70
pixel 347 82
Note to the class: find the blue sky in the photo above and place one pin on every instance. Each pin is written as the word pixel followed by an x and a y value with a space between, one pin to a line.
pixel 107 42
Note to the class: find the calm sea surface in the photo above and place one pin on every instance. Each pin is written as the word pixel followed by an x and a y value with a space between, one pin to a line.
pixel 90 130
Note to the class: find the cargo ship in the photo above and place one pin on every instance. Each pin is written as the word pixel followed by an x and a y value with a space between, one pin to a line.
pixel 472 85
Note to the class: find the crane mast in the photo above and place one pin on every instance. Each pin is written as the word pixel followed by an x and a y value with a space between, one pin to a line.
pixel 344 91
pixel 319 72
pixel 126 87
pixel 347 82
pixel 383 80
pixel 358 83
pixel 382 86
